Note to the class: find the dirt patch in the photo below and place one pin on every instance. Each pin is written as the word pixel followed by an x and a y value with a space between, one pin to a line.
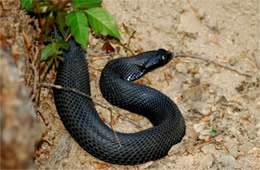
pixel 221 108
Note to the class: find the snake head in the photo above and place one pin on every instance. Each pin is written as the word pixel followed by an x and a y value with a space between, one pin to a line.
pixel 139 65
pixel 160 58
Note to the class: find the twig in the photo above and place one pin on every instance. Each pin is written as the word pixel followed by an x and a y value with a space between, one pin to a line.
pixel 111 124
pixel 227 66
pixel 129 120
pixel 35 73
pixel 68 37
pixel 131 35
pixel 122 45
pixel 40 19
pixel 34 52
pixel 47 85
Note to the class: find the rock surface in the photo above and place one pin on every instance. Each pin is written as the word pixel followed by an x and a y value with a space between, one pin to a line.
pixel 20 130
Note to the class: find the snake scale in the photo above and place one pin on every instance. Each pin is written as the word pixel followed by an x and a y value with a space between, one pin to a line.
pixel 82 121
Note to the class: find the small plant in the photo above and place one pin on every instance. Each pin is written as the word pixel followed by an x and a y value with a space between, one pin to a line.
pixel 213 131
pixel 73 17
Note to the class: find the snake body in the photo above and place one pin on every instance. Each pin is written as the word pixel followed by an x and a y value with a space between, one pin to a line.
pixel 82 121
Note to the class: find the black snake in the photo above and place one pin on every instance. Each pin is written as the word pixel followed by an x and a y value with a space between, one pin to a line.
pixel 81 119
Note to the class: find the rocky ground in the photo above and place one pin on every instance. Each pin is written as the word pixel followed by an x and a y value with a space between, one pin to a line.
pixel 221 107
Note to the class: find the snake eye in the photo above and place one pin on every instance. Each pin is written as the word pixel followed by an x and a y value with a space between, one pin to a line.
pixel 166 58
pixel 163 58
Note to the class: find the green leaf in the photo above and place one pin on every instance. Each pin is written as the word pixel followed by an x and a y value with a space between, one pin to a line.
pixel 27 4
pixel 42 7
pixel 79 27
pixel 49 50
pixel 60 58
pixel 49 23
pixel 50 62
pixel 86 3
pixel 102 22
pixel 63 44
pixel 56 61
pixel 213 131
pixel 60 18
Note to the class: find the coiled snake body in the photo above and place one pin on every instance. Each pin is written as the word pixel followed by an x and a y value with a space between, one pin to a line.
pixel 82 121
